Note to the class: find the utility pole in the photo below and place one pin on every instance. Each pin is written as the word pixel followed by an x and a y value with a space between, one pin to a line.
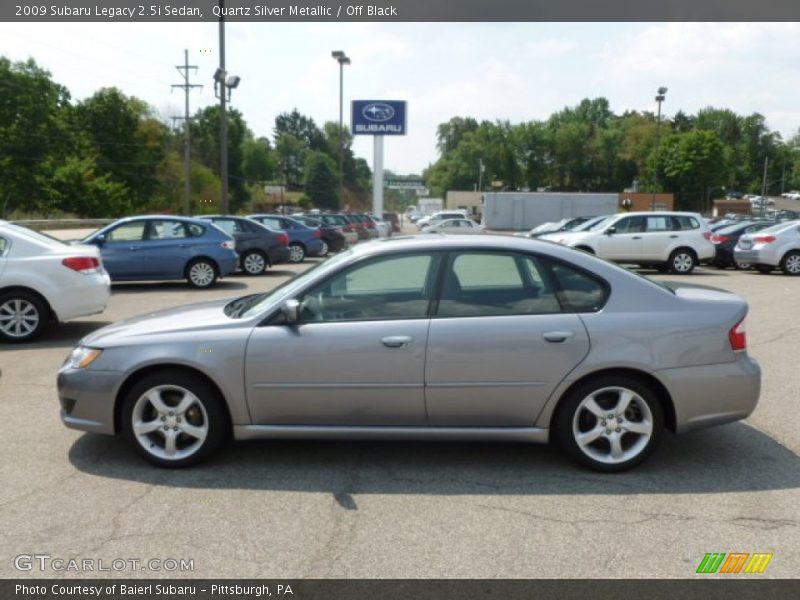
pixel 187 142
pixel 223 117
pixel 764 188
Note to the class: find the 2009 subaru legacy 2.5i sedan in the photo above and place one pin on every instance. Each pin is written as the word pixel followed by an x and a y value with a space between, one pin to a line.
pixel 485 338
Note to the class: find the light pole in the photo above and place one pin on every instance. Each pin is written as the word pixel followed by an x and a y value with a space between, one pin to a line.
pixel 343 60
pixel 662 92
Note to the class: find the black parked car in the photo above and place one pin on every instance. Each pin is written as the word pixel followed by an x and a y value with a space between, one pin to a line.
pixel 332 235
pixel 258 247
pixel 725 239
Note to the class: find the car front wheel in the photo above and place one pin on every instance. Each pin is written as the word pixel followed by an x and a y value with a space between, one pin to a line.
pixel 173 420
pixel 682 261
pixel 610 424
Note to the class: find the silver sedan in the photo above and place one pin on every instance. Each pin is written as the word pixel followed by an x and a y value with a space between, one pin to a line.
pixel 481 338
pixel 776 246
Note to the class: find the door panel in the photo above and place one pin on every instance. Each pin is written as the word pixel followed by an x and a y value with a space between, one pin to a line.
pixel 338 373
pixel 498 371
pixel 167 249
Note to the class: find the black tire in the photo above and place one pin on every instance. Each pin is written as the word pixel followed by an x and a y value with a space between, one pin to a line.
pixel 254 262
pixel 764 269
pixel 682 261
pixel 202 273
pixel 212 416
pixel 297 252
pixel 23 316
pixel 790 263
pixel 326 248
pixel 572 416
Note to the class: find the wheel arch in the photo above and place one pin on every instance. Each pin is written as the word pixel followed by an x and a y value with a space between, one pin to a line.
pixel 663 395
pixel 133 377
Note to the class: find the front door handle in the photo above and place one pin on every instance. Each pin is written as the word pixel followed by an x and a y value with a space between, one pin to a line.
pixel 185 245
pixel 673 237
pixel 134 248
pixel 557 337
pixel 637 237
pixel 396 341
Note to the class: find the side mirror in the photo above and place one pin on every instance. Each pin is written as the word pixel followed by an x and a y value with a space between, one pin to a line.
pixel 291 310
pixel 100 239
pixel 611 230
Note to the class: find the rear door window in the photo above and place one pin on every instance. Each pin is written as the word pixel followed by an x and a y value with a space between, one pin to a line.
pixel 127 232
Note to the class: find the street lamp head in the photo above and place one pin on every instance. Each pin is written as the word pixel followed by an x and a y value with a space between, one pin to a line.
pixel 232 82
pixel 219 75
pixel 340 56
pixel 660 98
pixel 662 90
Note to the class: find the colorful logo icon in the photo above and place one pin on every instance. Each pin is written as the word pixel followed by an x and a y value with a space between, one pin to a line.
pixel 734 563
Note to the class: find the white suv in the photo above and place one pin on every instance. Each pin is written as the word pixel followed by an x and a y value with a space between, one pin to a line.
pixel 675 241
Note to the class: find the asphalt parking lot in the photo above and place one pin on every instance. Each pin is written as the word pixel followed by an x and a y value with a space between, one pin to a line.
pixel 373 509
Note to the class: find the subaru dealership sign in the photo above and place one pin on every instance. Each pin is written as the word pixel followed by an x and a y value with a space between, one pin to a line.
pixel 379 117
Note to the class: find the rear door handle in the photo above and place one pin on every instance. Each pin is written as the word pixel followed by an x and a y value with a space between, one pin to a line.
pixel 637 237
pixel 185 245
pixel 673 237
pixel 396 341
pixel 134 248
pixel 557 337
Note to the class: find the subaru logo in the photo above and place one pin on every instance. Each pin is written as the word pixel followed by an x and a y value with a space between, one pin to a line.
pixel 378 111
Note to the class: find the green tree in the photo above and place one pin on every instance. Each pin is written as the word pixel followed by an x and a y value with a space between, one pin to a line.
pixel 691 166
pixel 321 180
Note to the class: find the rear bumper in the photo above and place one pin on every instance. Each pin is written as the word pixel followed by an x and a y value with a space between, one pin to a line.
pixel 278 254
pixel 86 295
pixel 755 257
pixel 711 395
pixel 228 263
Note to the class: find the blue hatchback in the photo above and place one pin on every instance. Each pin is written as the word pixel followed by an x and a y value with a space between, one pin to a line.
pixel 303 240
pixel 165 247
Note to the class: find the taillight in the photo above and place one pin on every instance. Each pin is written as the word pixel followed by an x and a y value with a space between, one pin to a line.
pixel 228 244
pixel 719 239
pixel 708 235
pixel 738 337
pixel 764 239
pixel 82 264
pixel 283 239
pixel 317 233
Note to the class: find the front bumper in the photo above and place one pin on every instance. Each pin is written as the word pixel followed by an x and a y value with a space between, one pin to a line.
pixel 87 399
pixel 711 395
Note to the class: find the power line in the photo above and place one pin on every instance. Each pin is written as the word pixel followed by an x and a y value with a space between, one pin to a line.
pixel 187 87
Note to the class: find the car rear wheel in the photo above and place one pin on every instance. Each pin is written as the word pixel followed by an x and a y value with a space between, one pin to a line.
pixel 254 263
pixel 325 249
pixel 173 420
pixel 682 261
pixel 297 253
pixel 22 316
pixel 790 264
pixel 201 273
pixel 610 424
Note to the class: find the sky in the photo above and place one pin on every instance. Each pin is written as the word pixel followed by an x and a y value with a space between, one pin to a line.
pixel 509 71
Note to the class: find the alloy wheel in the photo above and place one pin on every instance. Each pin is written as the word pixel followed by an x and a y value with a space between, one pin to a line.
pixel 254 263
pixel 202 274
pixel 612 425
pixel 19 318
pixel 169 422
pixel 682 262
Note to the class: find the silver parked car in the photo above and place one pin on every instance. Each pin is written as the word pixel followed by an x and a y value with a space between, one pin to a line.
pixel 776 246
pixel 483 337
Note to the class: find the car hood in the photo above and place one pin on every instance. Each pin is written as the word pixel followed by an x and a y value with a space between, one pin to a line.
pixel 164 323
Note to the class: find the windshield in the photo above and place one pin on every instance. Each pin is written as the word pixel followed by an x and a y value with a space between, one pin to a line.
pixel 594 225
pixel 252 306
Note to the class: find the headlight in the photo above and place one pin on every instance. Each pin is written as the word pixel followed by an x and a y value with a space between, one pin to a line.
pixel 82 357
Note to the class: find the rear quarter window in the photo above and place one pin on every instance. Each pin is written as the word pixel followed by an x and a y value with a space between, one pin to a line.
pixel 4 245
pixel 685 223
pixel 578 291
